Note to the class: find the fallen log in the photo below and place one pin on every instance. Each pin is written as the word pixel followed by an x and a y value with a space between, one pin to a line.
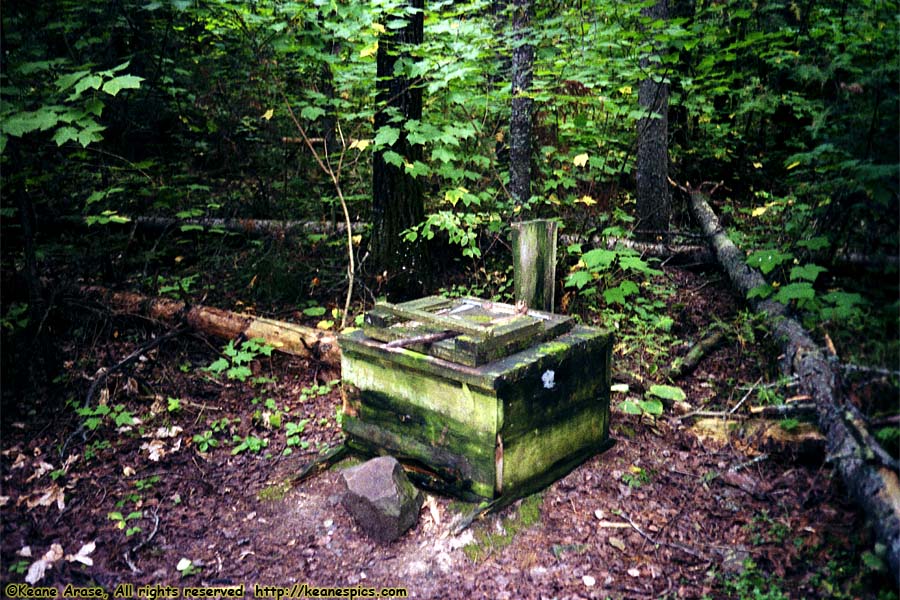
pixel 263 227
pixel 874 486
pixel 288 338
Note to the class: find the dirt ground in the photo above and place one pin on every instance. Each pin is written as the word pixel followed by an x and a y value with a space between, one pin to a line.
pixel 160 492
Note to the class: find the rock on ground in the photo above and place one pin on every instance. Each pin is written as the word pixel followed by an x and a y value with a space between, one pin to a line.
pixel 381 499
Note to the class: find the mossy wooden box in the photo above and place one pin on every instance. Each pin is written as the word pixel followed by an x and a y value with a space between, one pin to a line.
pixel 508 404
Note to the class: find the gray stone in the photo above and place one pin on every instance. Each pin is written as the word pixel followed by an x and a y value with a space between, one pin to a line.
pixel 381 498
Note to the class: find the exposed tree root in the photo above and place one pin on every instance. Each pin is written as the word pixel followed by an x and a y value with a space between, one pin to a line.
pixel 874 486
pixel 683 366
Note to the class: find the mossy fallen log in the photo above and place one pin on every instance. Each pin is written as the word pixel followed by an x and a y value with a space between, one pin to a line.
pixel 875 487
pixel 289 338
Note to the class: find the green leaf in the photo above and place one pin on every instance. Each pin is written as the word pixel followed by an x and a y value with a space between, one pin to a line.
pixel 19 124
pixel 90 82
pixel 652 406
pixel 761 291
pixel 598 259
pixel 392 158
pixel 386 136
pixel 807 272
pixel 122 82
pixel 314 311
pixel 68 80
pixel 636 263
pixel 614 295
pixel 218 365
pixel 629 407
pixel 767 260
pixel 312 112
pixel 442 154
pixel 65 134
pixel 816 243
pixel 795 291
pixel 579 279
pixel 667 392
pixel 241 373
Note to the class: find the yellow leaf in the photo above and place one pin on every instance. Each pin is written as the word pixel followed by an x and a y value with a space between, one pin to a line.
pixel 369 50
pixel 580 160
pixel 325 324
pixel 378 27
pixel 757 165
pixel 793 164
pixel 360 144
pixel 759 211
pixel 268 114
pixel 586 200
pixel 625 90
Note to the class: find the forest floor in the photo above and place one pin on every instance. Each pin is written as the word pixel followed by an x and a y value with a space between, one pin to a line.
pixel 197 491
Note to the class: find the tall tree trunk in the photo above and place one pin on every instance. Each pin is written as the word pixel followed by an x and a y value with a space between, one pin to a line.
pixel 397 199
pixel 520 117
pixel 654 199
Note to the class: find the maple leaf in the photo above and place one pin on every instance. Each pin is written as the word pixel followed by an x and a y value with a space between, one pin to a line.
pixel 581 159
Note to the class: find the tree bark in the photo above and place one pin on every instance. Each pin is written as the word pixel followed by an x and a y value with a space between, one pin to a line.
pixel 397 199
pixel 874 486
pixel 288 338
pixel 654 199
pixel 520 114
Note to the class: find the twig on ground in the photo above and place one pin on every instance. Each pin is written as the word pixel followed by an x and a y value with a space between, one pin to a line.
pixel 647 537
pixel 103 372
pixel 746 465
pixel 747 395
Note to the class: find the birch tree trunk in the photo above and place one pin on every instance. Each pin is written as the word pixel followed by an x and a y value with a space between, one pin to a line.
pixel 871 479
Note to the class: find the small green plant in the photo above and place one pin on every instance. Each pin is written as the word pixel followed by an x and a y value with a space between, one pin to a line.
pixel 763 529
pixel 94 448
pixel 205 440
pixel 249 443
pixel 652 404
pixel 187 568
pixel 219 425
pixel 177 286
pixel 752 584
pixel 636 477
pixel 293 431
pixel 236 360
pixel 122 521
pixel 789 425
pixel 95 416
pixel 19 567
pixel 16 317
pixel 173 405
pixel 143 485
pixel 316 390
pixel 132 497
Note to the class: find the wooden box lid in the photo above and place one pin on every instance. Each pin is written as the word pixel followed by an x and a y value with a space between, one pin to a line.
pixel 466 331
